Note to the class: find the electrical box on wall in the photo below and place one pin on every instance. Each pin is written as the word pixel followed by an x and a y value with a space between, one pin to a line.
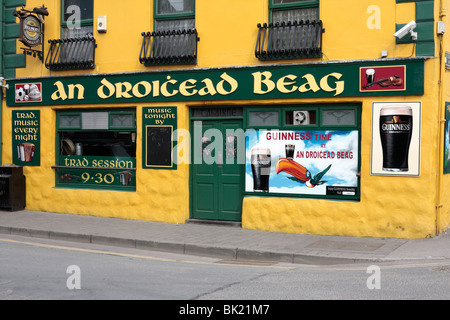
pixel 101 24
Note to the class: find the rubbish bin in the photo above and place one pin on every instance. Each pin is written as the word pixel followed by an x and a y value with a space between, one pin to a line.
pixel 12 188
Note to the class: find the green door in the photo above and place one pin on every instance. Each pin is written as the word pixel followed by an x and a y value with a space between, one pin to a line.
pixel 217 181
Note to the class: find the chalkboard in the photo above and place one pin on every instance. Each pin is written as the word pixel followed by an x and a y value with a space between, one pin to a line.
pixel 158 126
pixel 159 146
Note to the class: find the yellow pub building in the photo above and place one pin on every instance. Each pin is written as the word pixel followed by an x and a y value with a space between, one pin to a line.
pixel 296 116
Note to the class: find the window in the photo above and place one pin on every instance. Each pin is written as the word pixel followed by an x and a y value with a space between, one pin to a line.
pixel 293 10
pixel 294 31
pixel 304 151
pixel 175 38
pixel 174 15
pixel 76 48
pixel 77 18
pixel 96 149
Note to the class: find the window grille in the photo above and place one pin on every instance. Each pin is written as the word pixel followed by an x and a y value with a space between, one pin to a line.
pixel 72 53
pixel 289 40
pixel 169 47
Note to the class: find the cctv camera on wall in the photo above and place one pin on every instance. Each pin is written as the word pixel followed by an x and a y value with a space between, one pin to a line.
pixel 408 28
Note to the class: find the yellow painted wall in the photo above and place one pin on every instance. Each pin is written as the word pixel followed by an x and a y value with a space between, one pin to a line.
pixel 443 217
pixel 389 207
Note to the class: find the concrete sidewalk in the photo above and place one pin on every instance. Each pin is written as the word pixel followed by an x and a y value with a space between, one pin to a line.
pixel 218 241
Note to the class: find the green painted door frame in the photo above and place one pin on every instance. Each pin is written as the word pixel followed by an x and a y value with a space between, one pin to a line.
pixel 217 179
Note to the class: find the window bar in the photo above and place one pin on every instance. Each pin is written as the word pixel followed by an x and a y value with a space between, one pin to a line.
pixel 172 45
pixel 289 39
pixel 265 27
pixel 74 47
pixel 84 51
pixel 144 46
pixel 297 39
pixel 152 44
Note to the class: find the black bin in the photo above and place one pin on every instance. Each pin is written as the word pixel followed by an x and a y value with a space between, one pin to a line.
pixel 12 188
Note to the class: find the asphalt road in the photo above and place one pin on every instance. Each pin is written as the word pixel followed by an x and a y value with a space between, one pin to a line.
pixel 37 269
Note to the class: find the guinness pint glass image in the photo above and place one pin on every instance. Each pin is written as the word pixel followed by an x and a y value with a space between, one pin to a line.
pixel 289 149
pixel 396 125
pixel 370 76
pixel 260 162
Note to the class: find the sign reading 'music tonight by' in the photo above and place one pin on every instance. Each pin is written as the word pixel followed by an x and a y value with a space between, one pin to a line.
pixel 348 79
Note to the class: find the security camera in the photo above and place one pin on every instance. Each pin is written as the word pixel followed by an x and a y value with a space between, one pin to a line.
pixel 407 29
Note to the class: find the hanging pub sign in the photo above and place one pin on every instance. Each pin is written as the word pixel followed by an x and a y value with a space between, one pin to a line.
pixel 158 127
pixel 26 141
pixel 30 31
pixel 31 26
pixel 318 80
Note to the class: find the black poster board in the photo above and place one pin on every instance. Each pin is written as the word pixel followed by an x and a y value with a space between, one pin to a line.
pixel 159 124
pixel 159 140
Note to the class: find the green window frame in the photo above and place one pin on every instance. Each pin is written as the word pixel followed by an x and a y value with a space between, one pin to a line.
pixel 168 21
pixel 277 6
pixel 96 152
pixel 86 18
pixel 317 122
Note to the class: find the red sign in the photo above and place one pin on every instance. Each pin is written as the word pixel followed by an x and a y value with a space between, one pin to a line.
pixel 29 92
pixel 389 78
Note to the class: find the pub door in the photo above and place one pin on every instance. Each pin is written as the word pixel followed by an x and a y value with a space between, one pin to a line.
pixel 217 170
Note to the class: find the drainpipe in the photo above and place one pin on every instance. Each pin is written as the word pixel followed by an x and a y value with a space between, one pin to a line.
pixel 440 185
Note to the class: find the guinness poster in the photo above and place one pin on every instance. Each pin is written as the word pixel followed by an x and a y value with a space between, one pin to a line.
pixel 396 138
pixel 310 163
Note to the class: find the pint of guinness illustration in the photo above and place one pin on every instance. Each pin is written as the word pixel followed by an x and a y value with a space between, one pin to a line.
pixel 261 162
pixel 370 76
pixel 396 124
pixel 289 148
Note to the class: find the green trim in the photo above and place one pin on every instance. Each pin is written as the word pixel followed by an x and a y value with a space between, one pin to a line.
pixel 425 19
pixel 405 1
pixel 10 60
pixel 166 117
pixel 282 126
pixel 247 82
pixel 83 23
pixel 292 6
pixel 15 3
pixel 247 111
pixel 101 178
pixel 173 16
pixel 287 6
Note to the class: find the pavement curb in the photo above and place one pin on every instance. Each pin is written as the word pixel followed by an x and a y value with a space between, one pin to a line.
pixel 224 253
